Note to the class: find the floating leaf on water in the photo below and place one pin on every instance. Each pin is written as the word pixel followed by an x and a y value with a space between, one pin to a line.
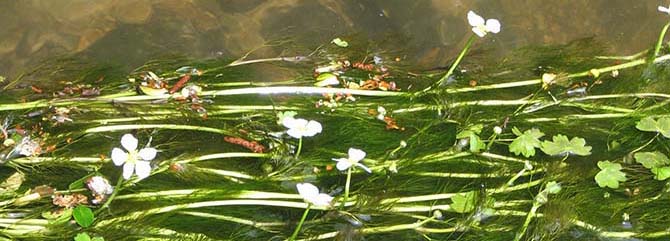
pixel 662 125
pixel 339 42
pixel 526 142
pixel 661 173
pixel 476 144
pixel 610 174
pixel 326 79
pixel 560 145
pixel 651 159
pixel 82 237
pixel 56 217
pixel 553 187
pixel 153 92
pixel 476 129
pixel 463 202
pixel 83 215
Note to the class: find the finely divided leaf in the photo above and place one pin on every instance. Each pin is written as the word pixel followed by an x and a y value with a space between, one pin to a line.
pixel 526 142
pixel 610 174
pixel 562 146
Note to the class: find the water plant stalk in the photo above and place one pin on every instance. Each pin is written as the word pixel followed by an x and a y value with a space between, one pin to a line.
pixel 302 220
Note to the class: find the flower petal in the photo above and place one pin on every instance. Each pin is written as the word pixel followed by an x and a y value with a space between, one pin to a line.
pixel 474 19
pixel 313 128
pixel 307 191
pixel 479 32
pixel 493 25
pixel 128 169
pixel 129 142
pixel 295 133
pixel 664 9
pixel 343 164
pixel 142 169
pixel 364 167
pixel 148 154
pixel 119 156
pixel 356 154
pixel 322 200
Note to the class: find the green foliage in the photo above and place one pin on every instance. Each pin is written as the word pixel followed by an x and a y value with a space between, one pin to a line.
pixel 56 218
pixel 86 237
pixel 662 125
pixel 526 142
pixel 561 146
pixel 661 173
pixel 83 215
pixel 284 114
pixel 341 43
pixel 476 144
pixel 468 131
pixel 610 174
pixel 553 187
pixel 651 159
pixel 463 202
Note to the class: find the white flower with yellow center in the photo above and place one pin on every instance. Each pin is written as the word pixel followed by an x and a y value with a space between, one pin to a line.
pixel 311 195
pixel 480 26
pixel 133 160
pixel 298 128
pixel 355 156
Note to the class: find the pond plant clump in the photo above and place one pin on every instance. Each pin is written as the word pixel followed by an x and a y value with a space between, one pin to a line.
pixel 354 147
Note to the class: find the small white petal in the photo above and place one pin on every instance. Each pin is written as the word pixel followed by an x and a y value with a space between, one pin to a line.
pixel 129 142
pixel 128 169
pixel 288 122
pixel 663 9
pixel 474 19
pixel 119 156
pixel 148 154
pixel 343 164
pixel 295 133
pixel 313 128
pixel 307 191
pixel 479 32
pixel 493 25
pixel 322 200
pixel 356 154
pixel 142 169
pixel 364 167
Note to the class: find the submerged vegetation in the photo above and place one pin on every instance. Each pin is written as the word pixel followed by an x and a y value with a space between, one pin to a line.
pixel 355 146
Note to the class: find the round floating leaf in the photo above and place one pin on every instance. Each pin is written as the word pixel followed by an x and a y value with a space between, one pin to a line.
pixel 651 159
pixel 661 173
pixel 526 142
pixel 83 215
pixel 662 125
pixel 610 174
pixel 463 202
pixel 560 145
pixel 82 237
pixel 341 43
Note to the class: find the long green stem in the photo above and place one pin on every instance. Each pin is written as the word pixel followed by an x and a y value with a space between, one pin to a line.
pixel 659 43
pixel 455 64
pixel 302 220
pixel 297 153
pixel 346 187
pixel 529 217
pixel 111 197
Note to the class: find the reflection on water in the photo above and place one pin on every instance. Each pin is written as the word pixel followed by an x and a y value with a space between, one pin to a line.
pixel 129 32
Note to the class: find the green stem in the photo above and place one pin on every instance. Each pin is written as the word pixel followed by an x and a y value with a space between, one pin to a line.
pixel 302 220
pixel 297 153
pixel 659 43
pixel 346 187
pixel 111 197
pixel 455 64
pixel 529 217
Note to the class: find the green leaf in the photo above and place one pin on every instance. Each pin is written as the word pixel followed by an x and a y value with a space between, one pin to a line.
pixel 662 125
pixel 98 239
pixel 610 174
pixel 463 202
pixel 83 215
pixel 526 142
pixel 476 129
pixel 282 115
pixel 476 144
pixel 339 42
pixel 661 173
pixel 82 237
pixel 55 218
pixel 651 159
pixel 553 187
pixel 326 79
pixel 560 146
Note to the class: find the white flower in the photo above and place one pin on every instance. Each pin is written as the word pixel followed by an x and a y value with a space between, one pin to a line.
pixel 355 156
pixel 481 27
pixel 664 9
pixel 300 127
pixel 99 186
pixel 133 160
pixel 381 113
pixel 311 194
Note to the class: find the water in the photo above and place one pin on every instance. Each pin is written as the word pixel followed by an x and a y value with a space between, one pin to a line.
pixel 443 161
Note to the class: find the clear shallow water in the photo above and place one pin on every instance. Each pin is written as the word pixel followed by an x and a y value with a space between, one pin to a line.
pixel 203 186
